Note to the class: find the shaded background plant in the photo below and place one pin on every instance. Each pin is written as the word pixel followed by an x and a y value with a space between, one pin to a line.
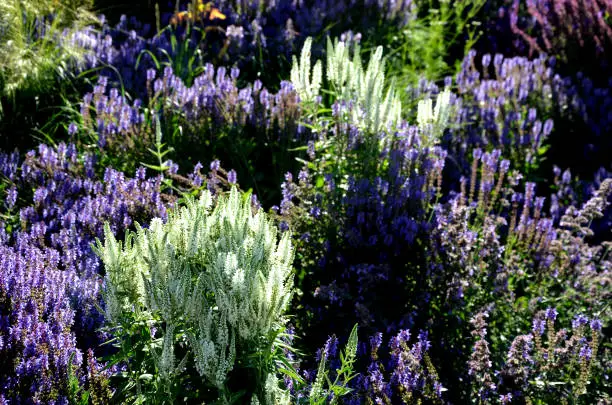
pixel 38 56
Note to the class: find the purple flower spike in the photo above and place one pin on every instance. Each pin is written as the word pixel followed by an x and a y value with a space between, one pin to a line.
pixel 596 325
pixel 231 176
pixel 72 129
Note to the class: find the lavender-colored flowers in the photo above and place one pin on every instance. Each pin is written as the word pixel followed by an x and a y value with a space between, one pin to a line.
pixel 505 277
pixel 231 177
pixel 480 363
pixel 596 325
pixel 407 375
pixel 551 314
pixel 49 276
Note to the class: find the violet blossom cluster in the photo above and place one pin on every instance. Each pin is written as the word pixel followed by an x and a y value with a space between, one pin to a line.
pixel 398 371
pixel 278 27
pixel 387 234
pixel 362 231
pixel 38 347
pixel 506 106
pixel 114 51
pixel 536 359
pixel 215 117
pixel 213 100
pixel 514 225
pixel 50 279
pixel 111 120
pixel 404 374
pixel 511 104
pixel 485 247
pixel 249 30
pixel 581 94
pixel 384 216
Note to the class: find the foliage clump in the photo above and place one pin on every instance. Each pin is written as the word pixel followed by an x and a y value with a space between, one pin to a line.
pixel 210 286
pixel 37 43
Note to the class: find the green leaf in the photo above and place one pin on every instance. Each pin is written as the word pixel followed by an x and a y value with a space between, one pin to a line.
pixel 155 167
pixel 320 181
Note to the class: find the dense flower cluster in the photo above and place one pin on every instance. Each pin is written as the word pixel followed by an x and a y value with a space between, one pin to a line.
pixel 250 30
pixel 38 349
pixel 530 359
pixel 497 109
pixel 50 289
pixel 381 218
pixel 214 116
pixel 523 107
pixel 449 218
pixel 376 221
pixel 215 99
pixel 279 27
pixel 411 376
pixel 512 104
pixel 50 277
pixel 214 268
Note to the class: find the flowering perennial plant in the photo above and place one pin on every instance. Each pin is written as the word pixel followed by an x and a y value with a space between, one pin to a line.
pixel 211 119
pixel 50 277
pixel 213 281
pixel 473 211
pixel 374 204
pixel 542 364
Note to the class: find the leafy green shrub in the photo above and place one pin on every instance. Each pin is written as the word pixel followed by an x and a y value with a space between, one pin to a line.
pixel 199 302
pixel 429 45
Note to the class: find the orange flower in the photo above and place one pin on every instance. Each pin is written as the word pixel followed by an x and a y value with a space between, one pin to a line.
pixel 180 17
pixel 202 9
pixel 216 14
